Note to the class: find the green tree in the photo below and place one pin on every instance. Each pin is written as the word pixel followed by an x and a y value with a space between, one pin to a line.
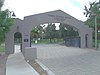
pixel 90 13
pixel 34 33
pixel 40 31
pixel 50 31
pixel 1 4
pixel 37 32
pixel 67 31
pixel 5 22
pixel 62 30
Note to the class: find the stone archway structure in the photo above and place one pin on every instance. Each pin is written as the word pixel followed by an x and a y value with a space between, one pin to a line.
pixel 57 16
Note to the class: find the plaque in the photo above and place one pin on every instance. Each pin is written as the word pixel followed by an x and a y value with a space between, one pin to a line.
pixel 25 40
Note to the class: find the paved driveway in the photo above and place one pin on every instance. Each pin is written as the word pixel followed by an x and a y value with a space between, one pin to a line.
pixel 69 61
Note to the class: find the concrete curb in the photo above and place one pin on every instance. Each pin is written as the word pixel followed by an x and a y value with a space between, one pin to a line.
pixel 49 72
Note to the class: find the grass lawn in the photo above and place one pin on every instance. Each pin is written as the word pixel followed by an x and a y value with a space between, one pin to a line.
pixel 98 42
pixel 2 48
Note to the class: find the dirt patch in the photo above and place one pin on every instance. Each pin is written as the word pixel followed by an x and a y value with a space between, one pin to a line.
pixel 3 59
pixel 37 67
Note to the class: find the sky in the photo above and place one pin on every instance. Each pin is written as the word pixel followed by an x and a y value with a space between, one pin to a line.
pixel 24 8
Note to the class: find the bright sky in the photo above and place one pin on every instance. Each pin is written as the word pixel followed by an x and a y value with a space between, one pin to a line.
pixel 23 8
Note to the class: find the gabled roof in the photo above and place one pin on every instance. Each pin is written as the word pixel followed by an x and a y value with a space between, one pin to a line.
pixel 52 12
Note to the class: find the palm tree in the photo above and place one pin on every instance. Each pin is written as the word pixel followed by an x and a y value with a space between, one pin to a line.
pixel 1 4
pixel 89 12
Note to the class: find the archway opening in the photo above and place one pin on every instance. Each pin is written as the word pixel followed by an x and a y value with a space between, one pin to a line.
pixel 55 33
pixel 17 42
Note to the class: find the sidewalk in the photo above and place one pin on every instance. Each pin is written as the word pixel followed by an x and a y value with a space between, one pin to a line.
pixel 16 65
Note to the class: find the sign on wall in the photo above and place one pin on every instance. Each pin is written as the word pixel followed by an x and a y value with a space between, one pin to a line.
pixel 25 40
pixel 59 18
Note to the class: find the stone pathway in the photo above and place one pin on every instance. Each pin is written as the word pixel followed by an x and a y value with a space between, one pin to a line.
pixel 63 60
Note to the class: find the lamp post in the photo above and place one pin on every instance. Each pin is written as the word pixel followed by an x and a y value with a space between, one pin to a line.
pixel 96 32
pixel 95 16
pixel 96 43
pixel 12 14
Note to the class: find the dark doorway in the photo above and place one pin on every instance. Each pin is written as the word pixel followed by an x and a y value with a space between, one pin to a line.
pixel 86 38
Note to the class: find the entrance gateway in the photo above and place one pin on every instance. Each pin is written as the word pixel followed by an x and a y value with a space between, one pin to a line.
pixel 25 26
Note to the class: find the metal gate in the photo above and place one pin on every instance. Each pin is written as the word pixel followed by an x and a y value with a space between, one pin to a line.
pixel 73 41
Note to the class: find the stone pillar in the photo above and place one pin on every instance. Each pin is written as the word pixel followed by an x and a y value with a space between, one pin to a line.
pixel 82 39
pixel 25 41
pixel 82 35
pixel 9 43
pixel 90 40
pixel 30 53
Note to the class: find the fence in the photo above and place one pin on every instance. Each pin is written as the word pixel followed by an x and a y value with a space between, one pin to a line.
pixel 73 41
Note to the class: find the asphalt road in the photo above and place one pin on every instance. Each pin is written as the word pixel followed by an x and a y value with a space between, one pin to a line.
pixel 64 60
